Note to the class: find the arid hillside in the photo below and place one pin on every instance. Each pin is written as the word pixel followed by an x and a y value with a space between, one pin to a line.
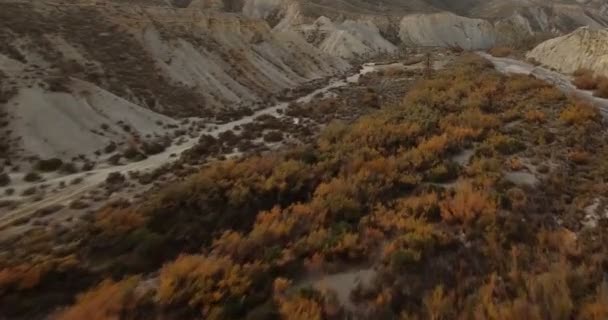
pixel 476 195
pixel 467 24
pixel 77 77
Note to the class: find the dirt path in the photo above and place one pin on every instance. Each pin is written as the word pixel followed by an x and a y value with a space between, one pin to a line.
pixel 561 81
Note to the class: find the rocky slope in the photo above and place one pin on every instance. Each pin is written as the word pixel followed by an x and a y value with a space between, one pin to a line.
pixel 469 24
pixel 348 39
pixel 74 75
pixel 583 48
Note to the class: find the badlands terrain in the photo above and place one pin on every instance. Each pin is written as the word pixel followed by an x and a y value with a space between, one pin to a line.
pixel 292 159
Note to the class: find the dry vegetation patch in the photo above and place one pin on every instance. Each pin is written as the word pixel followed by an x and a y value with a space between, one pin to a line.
pixel 585 79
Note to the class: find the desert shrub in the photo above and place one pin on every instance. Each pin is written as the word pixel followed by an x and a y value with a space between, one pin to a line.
pixel 111 147
pixel 602 87
pixel 114 178
pixel 132 153
pixel 578 156
pixel 579 114
pixel 443 173
pixel 5 180
pixel 32 177
pixel 49 165
pixel 69 168
pixel 108 300
pixel 535 116
pixel 505 145
pixel 517 198
pixel 597 307
pixel 550 291
pixel 500 52
pixel 203 283
pixel 467 204
pixel 273 136
pixel 153 147
pixel 118 220
pixel 584 79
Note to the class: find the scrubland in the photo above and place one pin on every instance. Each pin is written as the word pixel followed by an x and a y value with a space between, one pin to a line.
pixel 514 229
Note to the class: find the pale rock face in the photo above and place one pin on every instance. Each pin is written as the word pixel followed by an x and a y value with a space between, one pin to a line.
pixel 348 39
pixel 584 48
pixel 64 125
pixel 446 30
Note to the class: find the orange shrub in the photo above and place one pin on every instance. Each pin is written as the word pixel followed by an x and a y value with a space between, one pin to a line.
pixel 579 113
pixel 435 145
pixel 22 276
pixel 597 308
pixel 118 220
pixel 467 204
pixel 535 116
pixel 109 300
pixel 203 282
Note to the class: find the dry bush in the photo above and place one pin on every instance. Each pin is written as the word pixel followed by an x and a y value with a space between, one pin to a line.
pixel 5 179
pixel 535 116
pixel 584 79
pixel 202 282
pixel 602 87
pixel 517 198
pixel 467 204
pixel 500 52
pixel 439 304
pixel 22 276
pixel 434 146
pixel 515 164
pixel 579 114
pixel 579 156
pixel 550 291
pixel 108 301
pixel 549 95
pixel 596 308
pixel 118 220
pixel 505 144
pixel 300 308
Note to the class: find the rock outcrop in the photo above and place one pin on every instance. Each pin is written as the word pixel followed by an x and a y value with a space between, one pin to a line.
pixel 584 48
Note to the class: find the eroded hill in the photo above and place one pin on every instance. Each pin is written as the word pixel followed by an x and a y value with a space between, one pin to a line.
pixel 78 77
